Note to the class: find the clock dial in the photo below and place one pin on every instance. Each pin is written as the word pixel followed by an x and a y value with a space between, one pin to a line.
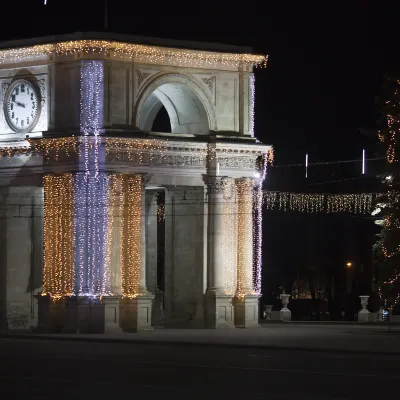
pixel 22 106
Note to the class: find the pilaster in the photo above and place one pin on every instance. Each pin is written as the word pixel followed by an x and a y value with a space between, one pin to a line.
pixel 218 310
pixel 158 309
pixel 151 241
pixel 133 239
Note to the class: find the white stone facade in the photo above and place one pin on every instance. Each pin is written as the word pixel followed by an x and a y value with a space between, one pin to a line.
pixel 128 270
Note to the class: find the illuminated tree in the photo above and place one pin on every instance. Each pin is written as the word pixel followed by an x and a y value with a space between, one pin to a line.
pixel 387 207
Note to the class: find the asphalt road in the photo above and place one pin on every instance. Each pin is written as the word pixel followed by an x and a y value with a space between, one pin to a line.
pixel 88 370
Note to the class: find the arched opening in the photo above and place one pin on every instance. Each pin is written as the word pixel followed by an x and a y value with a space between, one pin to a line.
pixel 161 122
pixel 178 101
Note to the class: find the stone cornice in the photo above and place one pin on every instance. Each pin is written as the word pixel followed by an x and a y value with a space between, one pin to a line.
pixel 140 53
pixel 143 151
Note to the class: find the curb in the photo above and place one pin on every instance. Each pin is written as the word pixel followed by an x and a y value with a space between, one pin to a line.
pixel 200 344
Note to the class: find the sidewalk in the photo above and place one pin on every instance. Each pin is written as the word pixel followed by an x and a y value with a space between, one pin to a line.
pixel 353 338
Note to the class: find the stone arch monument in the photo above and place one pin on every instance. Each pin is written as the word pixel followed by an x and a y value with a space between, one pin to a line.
pixel 107 225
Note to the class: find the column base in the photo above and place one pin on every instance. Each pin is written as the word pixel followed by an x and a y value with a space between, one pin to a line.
pixel 111 314
pixel 56 315
pixel 246 311
pixel 218 311
pixel 135 314
pixel 78 315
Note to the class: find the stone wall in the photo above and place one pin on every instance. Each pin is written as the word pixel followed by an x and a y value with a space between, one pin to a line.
pixel 21 252
pixel 184 261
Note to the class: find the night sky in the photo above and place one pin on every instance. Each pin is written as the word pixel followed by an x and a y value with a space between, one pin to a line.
pixel 326 65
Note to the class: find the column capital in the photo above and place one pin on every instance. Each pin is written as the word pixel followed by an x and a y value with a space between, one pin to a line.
pixel 218 184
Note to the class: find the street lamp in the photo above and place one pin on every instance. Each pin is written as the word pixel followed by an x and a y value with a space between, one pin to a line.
pixel 349 264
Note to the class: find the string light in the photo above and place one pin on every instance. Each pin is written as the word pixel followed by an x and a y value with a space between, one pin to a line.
pixel 113 183
pixel 252 103
pixel 319 202
pixel 230 209
pixel 131 207
pixel 245 236
pixel 141 151
pixel 257 223
pixel 80 232
pixel 140 53
pixel 91 188
pixel 393 279
pixel 58 268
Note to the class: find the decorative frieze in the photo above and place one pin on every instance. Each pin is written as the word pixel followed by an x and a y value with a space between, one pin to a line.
pixel 141 152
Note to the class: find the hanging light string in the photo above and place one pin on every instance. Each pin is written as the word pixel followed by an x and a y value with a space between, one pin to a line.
pixel 357 203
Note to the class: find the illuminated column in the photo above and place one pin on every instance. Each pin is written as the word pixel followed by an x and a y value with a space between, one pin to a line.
pixel 245 236
pixel 246 300
pixel 131 235
pixel 58 268
pixel 136 304
pixel 218 304
pixel 116 199
pixel 58 263
pixel 143 228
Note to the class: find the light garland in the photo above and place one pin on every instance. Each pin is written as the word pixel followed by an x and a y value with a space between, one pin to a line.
pixel 252 103
pixel 139 151
pixel 319 202
pixel 96 235
pixel 386 300
pixel 80 233
pixel 128 51
pixel 245 236
pixel 58 268
pixel 393 279
pixel 131 207
pixel 229 217
pixel 258 198
pixel 113 183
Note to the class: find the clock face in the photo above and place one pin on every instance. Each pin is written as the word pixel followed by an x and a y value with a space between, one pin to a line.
pixel 22 107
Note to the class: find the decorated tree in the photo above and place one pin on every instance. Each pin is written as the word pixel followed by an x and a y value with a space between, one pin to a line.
pixel 387 207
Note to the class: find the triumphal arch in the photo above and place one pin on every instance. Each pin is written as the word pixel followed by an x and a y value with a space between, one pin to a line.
pixel 108 225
